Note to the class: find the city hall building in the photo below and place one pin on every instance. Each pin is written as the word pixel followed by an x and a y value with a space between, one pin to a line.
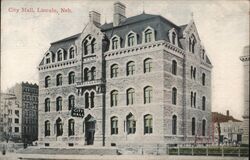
pixel 141 80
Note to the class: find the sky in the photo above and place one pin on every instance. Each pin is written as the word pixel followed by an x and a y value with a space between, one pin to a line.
pixel 223 27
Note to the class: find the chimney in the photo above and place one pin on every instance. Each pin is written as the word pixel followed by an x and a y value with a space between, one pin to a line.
pixel 119 13
pixel 228 113
pixel 95 18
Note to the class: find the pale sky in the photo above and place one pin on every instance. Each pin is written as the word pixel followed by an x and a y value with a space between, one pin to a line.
pixel 223 27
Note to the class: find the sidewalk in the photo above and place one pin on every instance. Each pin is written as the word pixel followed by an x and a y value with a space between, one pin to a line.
pixel 13 156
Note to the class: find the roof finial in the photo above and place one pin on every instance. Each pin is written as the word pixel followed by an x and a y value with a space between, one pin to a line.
pixel 143 11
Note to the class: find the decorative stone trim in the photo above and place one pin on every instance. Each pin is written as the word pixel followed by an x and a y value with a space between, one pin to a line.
pixel 55 65
pixel 245 58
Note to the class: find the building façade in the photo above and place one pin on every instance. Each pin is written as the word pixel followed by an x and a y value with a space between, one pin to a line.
pixel 140 80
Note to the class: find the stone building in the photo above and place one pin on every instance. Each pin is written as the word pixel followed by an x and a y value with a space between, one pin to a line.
pixel 141 80
pixel 10 118
pixel 246 61
pixel 27 97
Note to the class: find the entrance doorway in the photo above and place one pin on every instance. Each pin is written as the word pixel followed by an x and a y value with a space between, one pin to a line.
pixel 89 130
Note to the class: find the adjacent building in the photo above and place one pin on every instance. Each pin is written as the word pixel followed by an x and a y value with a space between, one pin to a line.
pixel 141 80
pixel 246 61
pixel 27 96
pixel 10 118
pixel 230 129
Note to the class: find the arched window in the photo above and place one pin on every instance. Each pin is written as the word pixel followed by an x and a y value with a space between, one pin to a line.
pixel 191 100
pixel 71 127
pixel 130 68
pixel 114 98
pixel 47 59
pixel 47 128
pixel 174 67
pixel 58 103
pixel 71 102
pixel 203 103
pixel 86 74
pixel 85 47
pixel 203 79
pixel 59 55
pixel 59 80
pixel 47 81
pixel 93 45
pixel 93 73
pixel 47 105
pixel 130 96
pixel 203 127
pixel 174 125
pixel 147 65
pixel 148 35
pixel 173 38
pixel 148 91
pixel 192 42
pixel 115 43
pixel 131 39
pixel 148 124
pixel 174 96
pixel 131 124
pixel 71 77
pixel 71 53
pixel 92 99
pixel 86 100
pixel 114 71
pixel 59 127
pixel 194 101
pixel 114 125
pixel 193 126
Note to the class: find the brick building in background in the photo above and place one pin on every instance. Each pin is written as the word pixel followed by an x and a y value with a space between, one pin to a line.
pixel 231 129
pixel 141 80
pixel 27 97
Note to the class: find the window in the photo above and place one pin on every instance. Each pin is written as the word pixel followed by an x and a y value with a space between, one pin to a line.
pixel 131 39
pixel 130 68
pixel 203 127
pixel 16 120
pixel 93 46
pixel 71 127
pixel 86 100
pixel 47 81
pixel 193 126
pixel 115 43
pixel 114 125
pixel 173 38
pixel 203 79
pixel 174 125
pixel 93 73
pixel 174 96
pixel 17 113
pixel 92 99
pixel 71 52
pixel 59 55
pixel 192 42
pixel 193 72
pixel 59 127
pixel 148 94
pixel 71 102
pixel 58 103
pixel 59 80
pixel 114 98
pixel 148 124
pixel 194 101
pixel 203 103
pixel 148 35
pixel 47 128
pixel 147 65
pixel 16 129
pixel 191 100
pixel 114 71
pixel 130 96
pixel 174 67
pixel 131 124
pixel 85 47
pixel 71 77
pixel 86 74
pixel 47 105
pixel 47 58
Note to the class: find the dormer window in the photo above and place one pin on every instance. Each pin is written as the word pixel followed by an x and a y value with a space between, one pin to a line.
pixel 148 35
pixel 131 39
pixel 173 37
pixel 115 42
pixel 71 52
pixel 59 55
pixel 89 45
pixel 47 61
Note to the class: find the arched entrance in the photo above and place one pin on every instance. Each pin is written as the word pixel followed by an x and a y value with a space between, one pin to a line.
pixel 89 130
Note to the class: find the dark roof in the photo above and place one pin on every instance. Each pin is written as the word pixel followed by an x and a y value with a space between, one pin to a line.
pixel 68 38
pixel 218 117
